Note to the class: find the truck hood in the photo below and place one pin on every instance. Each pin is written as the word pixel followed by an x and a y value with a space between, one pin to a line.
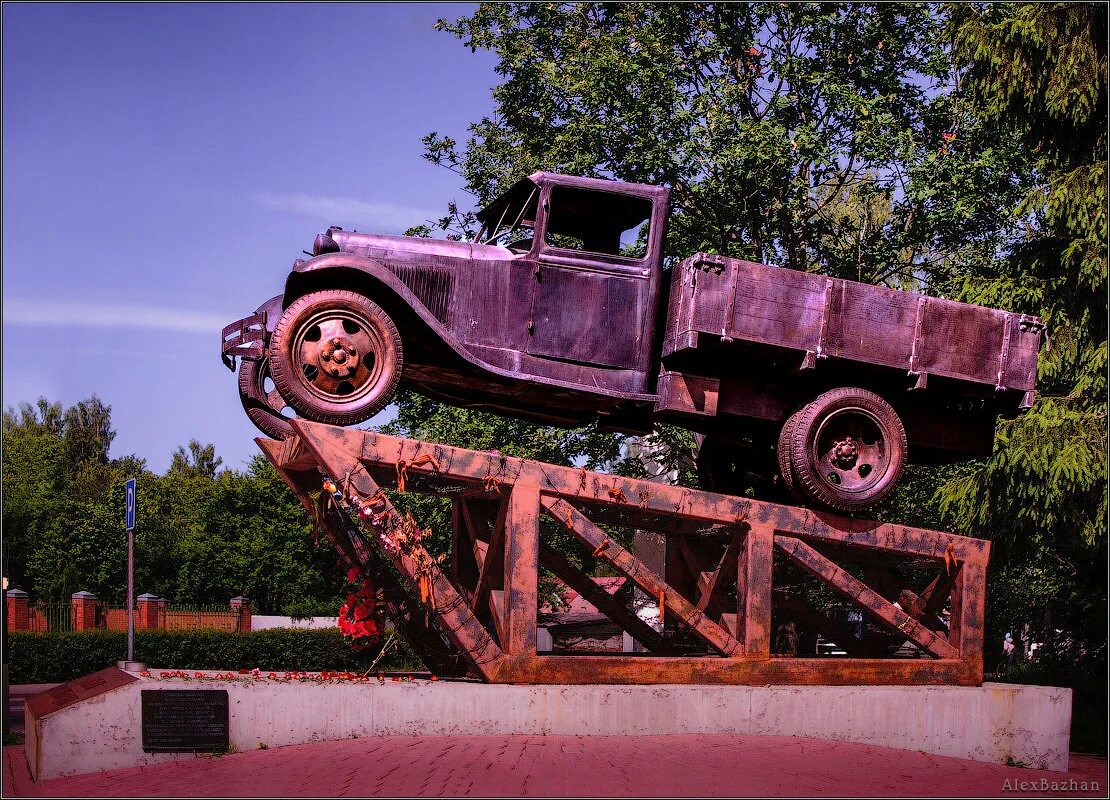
pixel 402 248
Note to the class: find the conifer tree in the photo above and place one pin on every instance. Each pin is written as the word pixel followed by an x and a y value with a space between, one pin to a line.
pixel 1038 73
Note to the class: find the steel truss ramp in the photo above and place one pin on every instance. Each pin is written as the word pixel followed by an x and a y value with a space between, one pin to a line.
pixel 717 590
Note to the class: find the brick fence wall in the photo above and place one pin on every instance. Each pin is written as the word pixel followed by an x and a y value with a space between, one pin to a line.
pixel 85 612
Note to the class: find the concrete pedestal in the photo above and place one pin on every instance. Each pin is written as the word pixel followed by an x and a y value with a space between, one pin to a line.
pixel 991 723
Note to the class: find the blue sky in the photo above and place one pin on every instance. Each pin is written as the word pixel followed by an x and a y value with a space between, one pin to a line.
pixel 164 164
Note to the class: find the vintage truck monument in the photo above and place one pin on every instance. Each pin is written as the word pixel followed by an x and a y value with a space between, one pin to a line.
pixel 561 311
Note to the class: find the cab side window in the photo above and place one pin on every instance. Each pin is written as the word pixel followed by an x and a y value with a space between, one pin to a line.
pixel 599 222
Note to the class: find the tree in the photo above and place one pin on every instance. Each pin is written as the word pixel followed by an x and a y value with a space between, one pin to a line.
pixel 804 134
pixel 200 460
pixel 33 468
pixel 1038 73
pixel 63 499
pixel 87 429
pixel 247 535
pixel 202 537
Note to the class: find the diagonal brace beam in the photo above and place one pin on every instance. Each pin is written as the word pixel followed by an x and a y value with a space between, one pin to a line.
pixel 859 593
pixel 602 600
pixel 628 565
pixel 492 568
pixel 483 600
pixel 726 567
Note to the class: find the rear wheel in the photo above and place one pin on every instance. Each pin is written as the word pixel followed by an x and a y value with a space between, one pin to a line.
pixel 847 449
pixel 336 357
pixel 786 471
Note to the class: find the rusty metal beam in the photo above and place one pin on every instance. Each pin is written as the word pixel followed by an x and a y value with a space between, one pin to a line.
pixel 939 589
pixel 572 669
pixel 602 600
pixel 474 469
pixel 631 567
pixel 972 582
pixel 484 600
pixel 753 592
pixel 492 572
pixel 496 567
pixel 522 546
pixel 428 644
pixel 455 619
pixel 868 599
pixel 293 454
pixel 726 568
pixel 464 562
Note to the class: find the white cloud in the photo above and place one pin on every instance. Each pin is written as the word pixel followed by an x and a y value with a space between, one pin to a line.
pixel 99 315
pixel 348 211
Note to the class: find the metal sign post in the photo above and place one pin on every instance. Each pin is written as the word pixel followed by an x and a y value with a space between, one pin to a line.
pixel 130 514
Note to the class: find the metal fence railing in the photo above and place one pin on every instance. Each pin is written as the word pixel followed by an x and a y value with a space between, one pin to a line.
pixel 50 616
pixel 188 618
pixel 43 616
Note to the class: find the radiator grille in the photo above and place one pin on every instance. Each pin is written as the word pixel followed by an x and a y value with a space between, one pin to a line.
pixel 431 285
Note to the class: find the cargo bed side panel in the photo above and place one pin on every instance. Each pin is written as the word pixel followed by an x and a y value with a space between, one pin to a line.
pixel 874 326
pixel 778 307
pixel 732 299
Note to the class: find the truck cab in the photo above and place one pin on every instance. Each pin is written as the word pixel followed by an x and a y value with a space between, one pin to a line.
pixel 577 299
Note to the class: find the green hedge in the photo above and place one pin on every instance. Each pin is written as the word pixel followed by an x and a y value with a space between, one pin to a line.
pixel 62 656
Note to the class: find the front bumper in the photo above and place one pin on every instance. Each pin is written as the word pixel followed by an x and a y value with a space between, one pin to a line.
pixel 245 338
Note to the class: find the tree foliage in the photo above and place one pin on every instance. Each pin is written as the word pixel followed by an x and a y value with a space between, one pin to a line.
pixel 199 460
pixel 818 136
pixel 1037 72
pixel 202 537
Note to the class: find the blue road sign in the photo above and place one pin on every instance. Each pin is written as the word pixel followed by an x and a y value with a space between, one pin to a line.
pixel 130 504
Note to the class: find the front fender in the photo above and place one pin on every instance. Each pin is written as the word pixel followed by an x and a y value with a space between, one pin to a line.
pixel 379 283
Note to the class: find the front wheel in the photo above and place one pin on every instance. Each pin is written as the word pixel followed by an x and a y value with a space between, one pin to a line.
pixel 336 357
pixel 847 449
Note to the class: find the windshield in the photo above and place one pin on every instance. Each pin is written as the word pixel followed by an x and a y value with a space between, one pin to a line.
pixel 511 223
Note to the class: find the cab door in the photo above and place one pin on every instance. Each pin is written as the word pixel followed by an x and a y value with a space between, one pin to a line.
pixel 591 304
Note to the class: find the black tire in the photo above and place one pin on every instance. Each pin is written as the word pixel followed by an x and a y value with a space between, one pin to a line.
pixel 336 357
pixel 786 471
pixel 717 472
pixel 847 449
pixel 263 406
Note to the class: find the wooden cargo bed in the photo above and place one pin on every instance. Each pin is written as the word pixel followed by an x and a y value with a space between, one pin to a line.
pixel 734 300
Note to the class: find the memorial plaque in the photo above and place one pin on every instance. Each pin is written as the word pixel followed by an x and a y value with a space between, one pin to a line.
pixel 184 720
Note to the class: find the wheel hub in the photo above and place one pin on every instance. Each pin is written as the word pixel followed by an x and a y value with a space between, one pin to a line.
pixel 845 452
pixel 338 357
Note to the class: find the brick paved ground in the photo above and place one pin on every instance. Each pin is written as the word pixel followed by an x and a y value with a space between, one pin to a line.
pixel 519 766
